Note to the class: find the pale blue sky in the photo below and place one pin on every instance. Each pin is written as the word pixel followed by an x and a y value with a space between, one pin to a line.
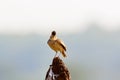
pixel 42 16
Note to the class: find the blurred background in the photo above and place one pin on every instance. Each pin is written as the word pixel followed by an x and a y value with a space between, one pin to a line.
pixel 89 28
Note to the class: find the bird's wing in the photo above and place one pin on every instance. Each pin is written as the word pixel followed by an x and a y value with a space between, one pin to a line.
pixel 60 42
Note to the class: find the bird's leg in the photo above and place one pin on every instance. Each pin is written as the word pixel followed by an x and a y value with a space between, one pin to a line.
pixel 58 54
pixel 55 54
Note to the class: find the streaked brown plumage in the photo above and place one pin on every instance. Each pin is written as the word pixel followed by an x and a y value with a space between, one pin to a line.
pixel 57 44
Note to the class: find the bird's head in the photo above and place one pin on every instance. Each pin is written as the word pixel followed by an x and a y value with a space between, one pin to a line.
pixel 53 33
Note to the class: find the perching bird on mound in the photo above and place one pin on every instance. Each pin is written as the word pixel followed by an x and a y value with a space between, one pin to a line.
pixel 57 44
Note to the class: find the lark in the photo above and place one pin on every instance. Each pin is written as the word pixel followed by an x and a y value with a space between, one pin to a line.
pixel 56 44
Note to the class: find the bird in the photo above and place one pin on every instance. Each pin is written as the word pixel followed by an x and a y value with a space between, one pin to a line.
pixel 56 44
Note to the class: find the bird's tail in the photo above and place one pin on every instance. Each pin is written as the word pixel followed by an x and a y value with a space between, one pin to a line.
pixel 64 54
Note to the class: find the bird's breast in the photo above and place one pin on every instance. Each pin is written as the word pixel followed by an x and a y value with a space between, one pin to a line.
pixel 53 45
